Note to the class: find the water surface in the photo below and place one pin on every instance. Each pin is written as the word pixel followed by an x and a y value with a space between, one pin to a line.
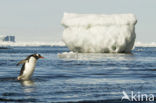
pixel 77 78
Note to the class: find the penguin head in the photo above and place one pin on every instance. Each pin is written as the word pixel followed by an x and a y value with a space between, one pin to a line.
pixel 37 56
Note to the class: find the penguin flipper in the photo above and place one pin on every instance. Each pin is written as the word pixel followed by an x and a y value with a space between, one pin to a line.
pixel 21 62
pixel 22 69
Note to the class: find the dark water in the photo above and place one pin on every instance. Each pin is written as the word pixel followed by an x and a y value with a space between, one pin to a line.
pixel 86 78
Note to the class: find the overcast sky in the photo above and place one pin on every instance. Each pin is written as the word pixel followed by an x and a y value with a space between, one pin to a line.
pixel 40 20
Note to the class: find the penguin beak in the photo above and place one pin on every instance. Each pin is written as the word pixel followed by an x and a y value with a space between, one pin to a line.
pixel 41 57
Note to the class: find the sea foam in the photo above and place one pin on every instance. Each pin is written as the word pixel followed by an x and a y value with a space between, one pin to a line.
pixel 99 33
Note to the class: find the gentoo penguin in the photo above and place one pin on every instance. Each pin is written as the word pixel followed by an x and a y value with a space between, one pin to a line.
pixel 28 66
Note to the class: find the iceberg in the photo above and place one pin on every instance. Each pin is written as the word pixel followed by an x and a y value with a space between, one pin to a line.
pixel 99 33
pixel 7 38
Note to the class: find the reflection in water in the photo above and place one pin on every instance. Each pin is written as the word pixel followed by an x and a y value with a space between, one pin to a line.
pixel 28 85
pixel 95 56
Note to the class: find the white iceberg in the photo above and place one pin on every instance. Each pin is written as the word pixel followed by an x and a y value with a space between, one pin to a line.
pixel 98 33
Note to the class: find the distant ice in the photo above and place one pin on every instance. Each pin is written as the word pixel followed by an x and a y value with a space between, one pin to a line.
pixel 137 44
pixel 31 44
pixel 141 44
pixel 98 33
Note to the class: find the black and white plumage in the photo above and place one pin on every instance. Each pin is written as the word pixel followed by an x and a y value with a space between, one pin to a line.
pixel 28 66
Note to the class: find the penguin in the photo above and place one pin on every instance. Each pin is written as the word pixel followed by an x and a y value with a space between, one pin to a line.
pixel 28 66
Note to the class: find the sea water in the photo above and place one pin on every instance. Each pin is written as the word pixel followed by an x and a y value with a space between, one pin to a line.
pixel 88 77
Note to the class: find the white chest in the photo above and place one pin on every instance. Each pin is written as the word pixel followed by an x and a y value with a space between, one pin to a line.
pixel 29 67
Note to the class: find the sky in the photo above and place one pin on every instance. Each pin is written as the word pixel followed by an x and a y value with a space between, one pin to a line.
pixel 40 20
